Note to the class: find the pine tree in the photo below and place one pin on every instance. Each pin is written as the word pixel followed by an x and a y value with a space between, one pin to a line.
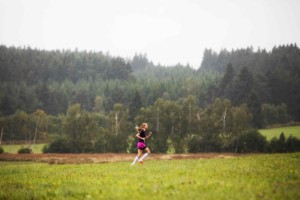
pixel 226 83
pixel 134 105
pixel 254 106
pixel 242 86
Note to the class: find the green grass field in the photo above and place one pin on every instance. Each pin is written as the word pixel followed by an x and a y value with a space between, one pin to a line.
pixel 37 148
pixel 274 176
pixel 275 132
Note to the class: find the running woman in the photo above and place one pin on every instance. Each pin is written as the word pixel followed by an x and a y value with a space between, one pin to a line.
pixel 141 145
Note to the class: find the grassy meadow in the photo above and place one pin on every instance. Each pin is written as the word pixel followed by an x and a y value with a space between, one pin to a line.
pixel 275 132
pixel 37 148
pixel 274 176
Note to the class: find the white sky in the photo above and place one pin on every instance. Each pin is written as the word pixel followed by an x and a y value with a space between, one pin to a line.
pixel 168 31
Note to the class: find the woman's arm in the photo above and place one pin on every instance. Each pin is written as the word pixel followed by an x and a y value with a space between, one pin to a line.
pixel 150 133
pixel 138 136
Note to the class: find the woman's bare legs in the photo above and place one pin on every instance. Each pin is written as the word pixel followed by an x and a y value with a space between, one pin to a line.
pixel 145 155
pixel 140 152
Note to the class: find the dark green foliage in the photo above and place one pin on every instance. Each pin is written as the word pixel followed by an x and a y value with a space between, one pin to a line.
pixel 53 80
pixel 32 65
pixel 24 150
pixel 80 128
pixel 284 88
pixel 205 110
pixel 254 106
pixel 292 144
pixel 135 105
pixel 102 145
pixel 108 142
pixel 1 150
pixel 283 144
pixel 226 86
pixel 111 143
pixel 194 145
pixel 242 86
pixel 252 141
pixel 59 145
pixel 273 114
pixel 275 75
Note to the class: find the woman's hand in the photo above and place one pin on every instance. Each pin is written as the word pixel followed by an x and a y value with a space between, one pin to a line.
pixel 150 133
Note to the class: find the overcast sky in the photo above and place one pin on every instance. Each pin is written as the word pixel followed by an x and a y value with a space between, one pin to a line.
pixel 168 31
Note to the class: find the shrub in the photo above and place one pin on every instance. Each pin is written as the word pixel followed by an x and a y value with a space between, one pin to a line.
pixel 194 145
pixel 59 145
pixel 252 141
pixel 292 144
pixel 283 145
pixel 24 150
pixel 1 150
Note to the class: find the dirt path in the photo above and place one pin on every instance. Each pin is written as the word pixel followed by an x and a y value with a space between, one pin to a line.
pixel 105 157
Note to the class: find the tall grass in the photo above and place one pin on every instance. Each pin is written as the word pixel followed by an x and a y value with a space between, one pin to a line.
pixel 275 176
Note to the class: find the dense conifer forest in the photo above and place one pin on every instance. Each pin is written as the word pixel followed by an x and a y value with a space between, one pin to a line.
pixel 80 101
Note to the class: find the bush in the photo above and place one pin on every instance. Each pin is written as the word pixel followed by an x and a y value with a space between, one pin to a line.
pixel 59 145
pixel 194 145
pixel 24 150
pixel 1 150
pixel 283 145
pixel 252 141
pixel 292 144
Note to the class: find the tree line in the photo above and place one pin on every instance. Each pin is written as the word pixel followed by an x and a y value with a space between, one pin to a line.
pixel 274 76
pixel 92 100
pixel 178 126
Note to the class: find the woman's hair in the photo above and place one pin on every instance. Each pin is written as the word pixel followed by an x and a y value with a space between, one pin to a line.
pixel 143 125
pixel 137 128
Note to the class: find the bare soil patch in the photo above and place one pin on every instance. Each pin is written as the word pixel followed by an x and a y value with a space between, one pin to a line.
pixel 105 157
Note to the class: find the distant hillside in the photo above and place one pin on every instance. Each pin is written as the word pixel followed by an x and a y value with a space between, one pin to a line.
pixel 89 100
pixel 53 80
pixel 33 65
pixel 273 77
pixel 285 57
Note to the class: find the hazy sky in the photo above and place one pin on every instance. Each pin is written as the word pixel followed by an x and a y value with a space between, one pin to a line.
pixel 168 31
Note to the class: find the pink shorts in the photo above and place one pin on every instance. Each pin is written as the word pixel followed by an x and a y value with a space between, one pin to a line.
pixel 141 145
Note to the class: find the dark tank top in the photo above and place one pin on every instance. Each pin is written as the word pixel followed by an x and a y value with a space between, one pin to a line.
pixel 143 135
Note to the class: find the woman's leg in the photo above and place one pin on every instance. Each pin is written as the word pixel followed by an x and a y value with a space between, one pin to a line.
pixel 148 150
pixel 137 157
pixel 140 152
pixel 145 155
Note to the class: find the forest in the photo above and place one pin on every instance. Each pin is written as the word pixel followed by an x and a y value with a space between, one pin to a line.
pixel 80 101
